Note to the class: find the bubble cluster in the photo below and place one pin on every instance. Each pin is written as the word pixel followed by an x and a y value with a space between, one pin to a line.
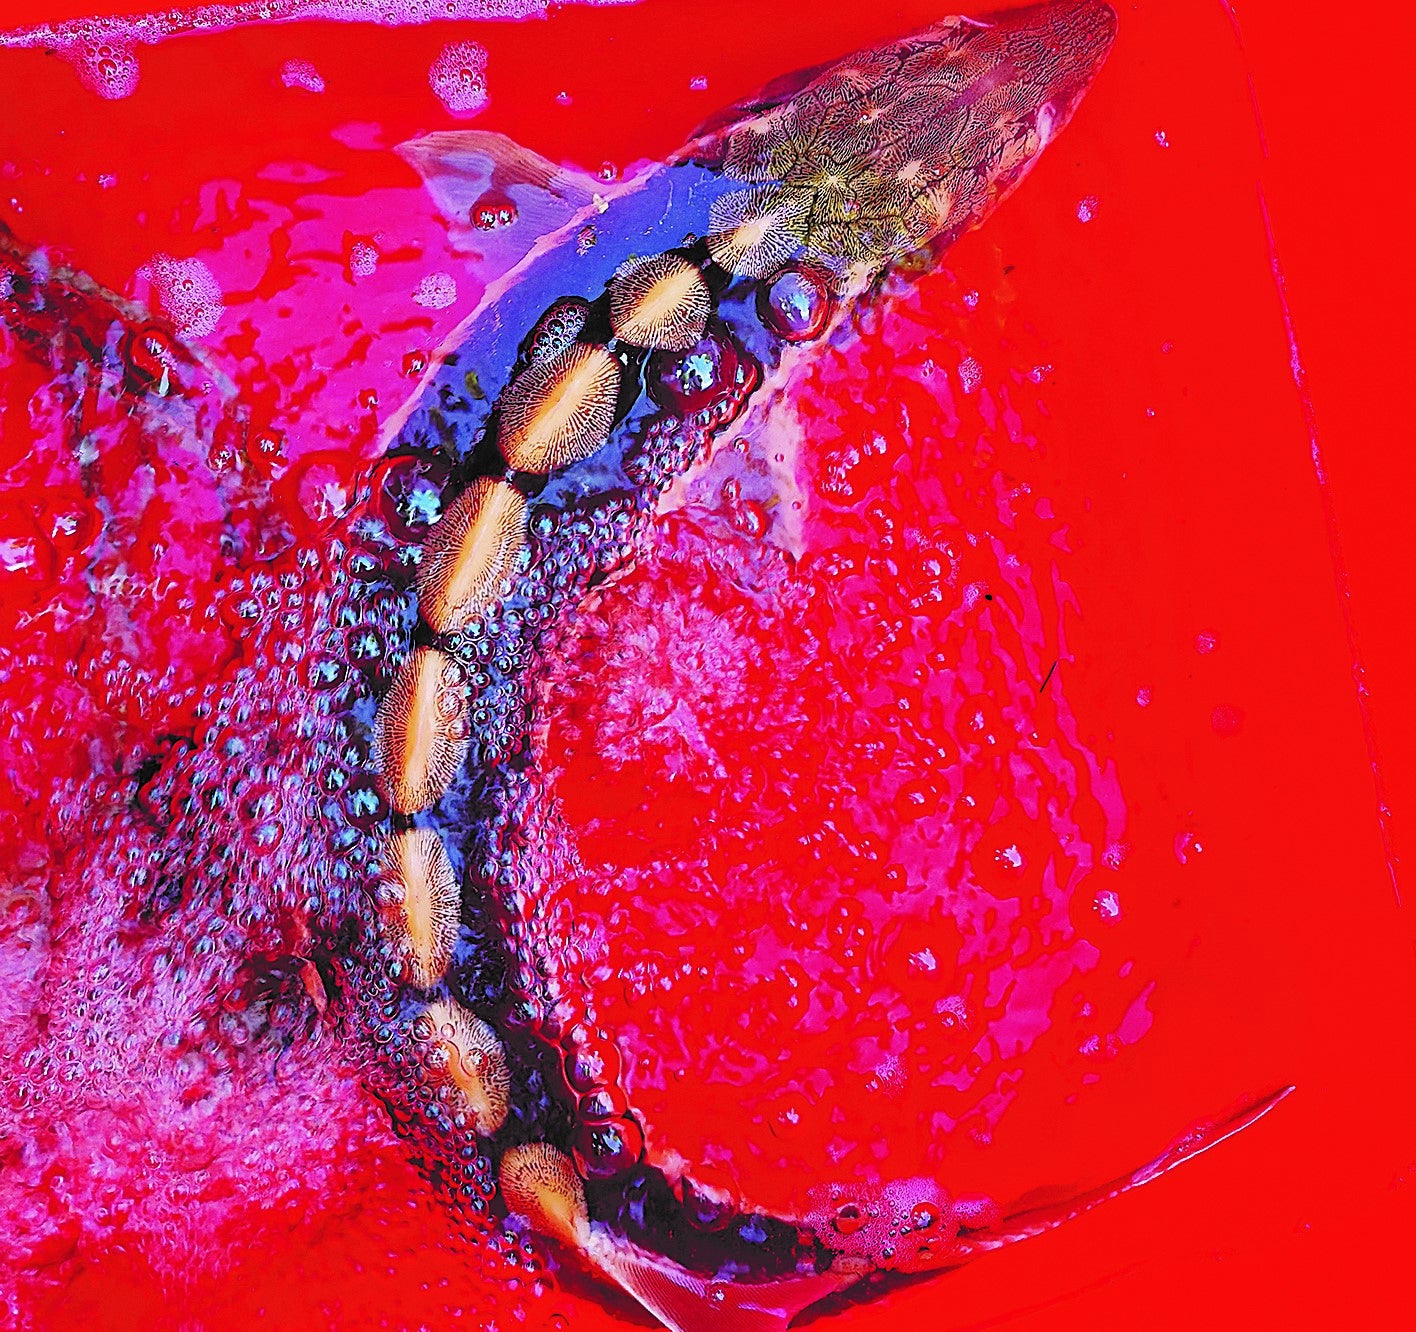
pixel 436 291
pixel 492 210
pixel 303 75
pixel 108 68
pixel 361 257
pixel 906 1225
pixel 187 292
pixel 557 328
pixel 458 76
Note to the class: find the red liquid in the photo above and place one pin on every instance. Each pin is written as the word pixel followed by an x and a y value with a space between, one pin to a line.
pixel 1127 314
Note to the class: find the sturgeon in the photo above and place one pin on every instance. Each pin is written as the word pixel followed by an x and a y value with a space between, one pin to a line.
pixel 640 326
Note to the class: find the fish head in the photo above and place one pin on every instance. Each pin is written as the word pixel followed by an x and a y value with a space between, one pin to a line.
pixel 907 144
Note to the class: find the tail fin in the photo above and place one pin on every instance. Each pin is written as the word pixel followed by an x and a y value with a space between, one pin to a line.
pixel 690 1302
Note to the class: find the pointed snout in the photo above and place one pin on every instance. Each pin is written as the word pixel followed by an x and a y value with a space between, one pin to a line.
pixel 1065 43
pixel 911 142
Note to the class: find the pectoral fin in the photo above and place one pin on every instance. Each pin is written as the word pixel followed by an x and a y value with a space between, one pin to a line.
pixel 499 198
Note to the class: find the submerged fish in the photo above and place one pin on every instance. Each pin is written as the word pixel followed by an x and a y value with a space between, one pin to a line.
pixel 581 398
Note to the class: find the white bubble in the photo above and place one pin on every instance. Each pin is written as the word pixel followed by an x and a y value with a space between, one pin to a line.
pixel 109 68
pixel 436 291
pixel 1186 846
pixel 187 292
pixel 459 78
pixel 363 258
pixel 302 74
pixel 1086 208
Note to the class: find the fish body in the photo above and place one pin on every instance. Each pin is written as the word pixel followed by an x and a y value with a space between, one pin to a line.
pixel 643 325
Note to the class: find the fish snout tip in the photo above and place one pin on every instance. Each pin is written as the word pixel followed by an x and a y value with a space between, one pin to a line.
pixel 1065 43
pixel 1100 27
pixel 1085 29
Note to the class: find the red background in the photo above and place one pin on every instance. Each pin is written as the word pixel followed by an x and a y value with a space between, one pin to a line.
pixel 1283 953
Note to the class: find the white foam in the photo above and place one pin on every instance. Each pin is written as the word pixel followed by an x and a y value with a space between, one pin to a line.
pixel 436 291
pixel 459 77
pixel 302 74
pixel 104 50
pixel 187 292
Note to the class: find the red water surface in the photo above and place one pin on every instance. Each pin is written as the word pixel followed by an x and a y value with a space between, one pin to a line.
pixel 1194 303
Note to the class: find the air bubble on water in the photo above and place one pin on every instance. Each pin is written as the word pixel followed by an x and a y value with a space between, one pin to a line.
pixel 324 493
pixel 1108 905
pixel 1227 720
pixel 459 78
pixel 563 98
pixel 187 293
pixel 494 209
pixel 1186 846
pixel 303 75
pixel 1205 643
pixel 1086 208
pixel 889 1077
pixel 436 291
pixel 107 67
pixel 974 593
pixel 1162 138
pixel 1143 697
pixel 970 374
pixel 952 1011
